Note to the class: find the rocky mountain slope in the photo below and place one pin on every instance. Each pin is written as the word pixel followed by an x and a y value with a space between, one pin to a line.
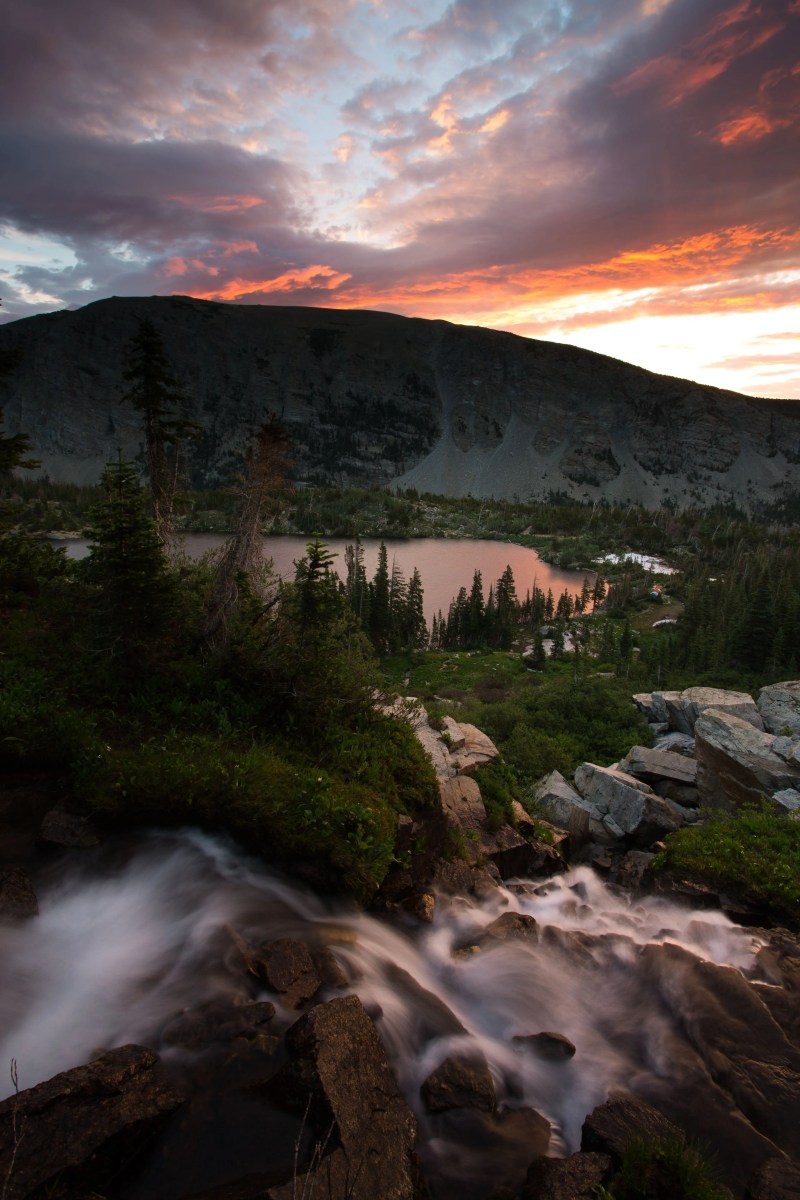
pixel 370 397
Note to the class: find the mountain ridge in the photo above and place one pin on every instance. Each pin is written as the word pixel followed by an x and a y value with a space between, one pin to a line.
pixel 373 398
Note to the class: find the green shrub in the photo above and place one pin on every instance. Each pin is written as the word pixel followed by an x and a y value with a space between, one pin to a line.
pixel 668 1168
pixel 275 803
pixel 755 850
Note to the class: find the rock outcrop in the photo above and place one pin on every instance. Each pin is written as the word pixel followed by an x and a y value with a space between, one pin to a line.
pixel 76 1127
pixel 371 397
pixel 339 1065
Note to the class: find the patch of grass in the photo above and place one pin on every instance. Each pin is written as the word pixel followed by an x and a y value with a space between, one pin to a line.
pixel 272 799
pixel 667 1168
pixel 754 851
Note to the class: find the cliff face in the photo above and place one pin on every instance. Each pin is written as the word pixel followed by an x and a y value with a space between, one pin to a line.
pixel 370 397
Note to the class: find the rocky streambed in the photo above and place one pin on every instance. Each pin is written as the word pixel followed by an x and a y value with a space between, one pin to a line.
pixel 185 1023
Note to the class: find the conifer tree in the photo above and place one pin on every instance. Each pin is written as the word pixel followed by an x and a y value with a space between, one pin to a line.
pixel 415 629
pixel 154 392
pixel 380 612
pixel 135 590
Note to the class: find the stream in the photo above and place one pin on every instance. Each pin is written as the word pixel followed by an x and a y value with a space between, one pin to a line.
pixel 128 936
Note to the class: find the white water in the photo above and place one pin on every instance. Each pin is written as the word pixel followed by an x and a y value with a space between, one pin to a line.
pixel 122 944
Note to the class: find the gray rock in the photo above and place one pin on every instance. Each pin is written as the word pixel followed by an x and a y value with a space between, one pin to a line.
pixel 655 765
pixel 627 804
pixel 676 716
pixel 561 803
pixel 779 705
pixel 788 798
pixel 652 710
pixel 680 743
pixel 736 763
pixel 696 700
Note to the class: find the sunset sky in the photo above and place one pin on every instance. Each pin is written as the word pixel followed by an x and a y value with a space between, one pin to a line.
pixel 617 174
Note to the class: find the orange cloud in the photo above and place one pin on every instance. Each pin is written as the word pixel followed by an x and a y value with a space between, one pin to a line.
pixel 219 204
pixel 316 277
pixel 778 107
pixel 706 57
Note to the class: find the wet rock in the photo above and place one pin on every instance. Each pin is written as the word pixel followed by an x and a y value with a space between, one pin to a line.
pixel 17 897
pixel 433 1018
pixel 776 1179
pixel 736 764
pixel 460 1082
pixel 421 905
pixel 327 967
pixel 481 1155
pixel 286 966
pixel 779 705
pixel 79 1125
pixel 575 1178
pixel 218 1021
pixel 338 1063
pixel 551 1046
pixel 744 1049
pixel 511 925
pixel 628 807
pixel 62 828
pixel 630 871
pixel 611 1127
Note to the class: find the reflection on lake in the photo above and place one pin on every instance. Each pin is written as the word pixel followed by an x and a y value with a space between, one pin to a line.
pixel 445 564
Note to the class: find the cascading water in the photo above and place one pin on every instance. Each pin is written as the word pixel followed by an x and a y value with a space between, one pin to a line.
pixel 126 939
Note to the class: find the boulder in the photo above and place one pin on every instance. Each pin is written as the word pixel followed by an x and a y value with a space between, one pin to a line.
pixel 79 1125
pixel 17 897
pixel 653 766
pixel 465 812
pixel 218 1021
pixel 552 1046
pixel 680 743
pixel 736 764
pixel 776 1179
pixel 562 804
pixel 611 1127
pixel 628 807
pixel 511 926
pixel 62 828
pixel 286 966
pixel 696 700
pixel 338 1065
pixel 577 1178
pixel 779 706
pixel 478 749
pixel 652 707
pixel 459 1082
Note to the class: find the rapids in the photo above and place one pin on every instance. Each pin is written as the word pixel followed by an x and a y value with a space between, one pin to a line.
pixel 128 937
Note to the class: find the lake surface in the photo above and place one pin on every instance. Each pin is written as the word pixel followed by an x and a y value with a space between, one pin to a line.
pixel 445 564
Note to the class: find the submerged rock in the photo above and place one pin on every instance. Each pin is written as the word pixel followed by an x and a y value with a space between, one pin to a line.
pixel 460 1082
pixel 17 897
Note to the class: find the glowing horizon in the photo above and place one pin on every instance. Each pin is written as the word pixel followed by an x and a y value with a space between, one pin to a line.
pixel 621 180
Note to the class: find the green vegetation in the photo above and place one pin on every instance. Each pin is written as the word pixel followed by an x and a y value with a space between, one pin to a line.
pixel 668 1168
pixel 754 852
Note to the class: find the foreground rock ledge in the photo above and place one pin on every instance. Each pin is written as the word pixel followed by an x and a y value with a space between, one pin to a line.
pixel 339 1064
pixel 80 1124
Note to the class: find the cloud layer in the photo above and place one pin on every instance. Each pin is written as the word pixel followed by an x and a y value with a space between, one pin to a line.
pixel 595 173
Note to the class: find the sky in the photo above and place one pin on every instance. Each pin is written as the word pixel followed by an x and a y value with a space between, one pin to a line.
pixel 622 175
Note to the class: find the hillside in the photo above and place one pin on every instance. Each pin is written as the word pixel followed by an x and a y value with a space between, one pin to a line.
pixel 374 398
